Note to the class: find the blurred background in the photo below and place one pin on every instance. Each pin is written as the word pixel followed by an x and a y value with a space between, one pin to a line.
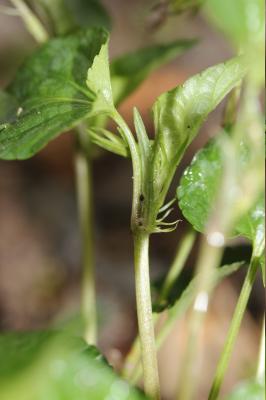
pixel 40 269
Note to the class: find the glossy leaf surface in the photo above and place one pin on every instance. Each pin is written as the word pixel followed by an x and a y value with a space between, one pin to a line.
pixel 197 190
pixel 179 114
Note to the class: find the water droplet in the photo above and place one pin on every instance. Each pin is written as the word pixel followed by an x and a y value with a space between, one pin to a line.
pixel 216 239
pixel 201 302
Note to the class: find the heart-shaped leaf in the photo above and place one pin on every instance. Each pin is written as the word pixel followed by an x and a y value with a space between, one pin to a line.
pixel 45 365
pixel 51 92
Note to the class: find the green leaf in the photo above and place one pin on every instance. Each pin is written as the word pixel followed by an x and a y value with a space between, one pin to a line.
pixel 197 191
pixel 57 367
pixel 179 114
pixel 99 81
pixel 181 296
pixel 179 6
pixel 8 106
pixel 130 70
pixel 251 390
pixel 242 21
pixel 68 15
pixel 51 93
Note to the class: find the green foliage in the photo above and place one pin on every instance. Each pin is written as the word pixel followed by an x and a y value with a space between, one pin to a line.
pixel 243 23
pixel 130 70
pixel 182 294
pixel 178 116
pixel 8 106
pixel 250 390
pixel 198 189
pixel 179 6
pixel 41 365
pixel 51 93
pixel 69 15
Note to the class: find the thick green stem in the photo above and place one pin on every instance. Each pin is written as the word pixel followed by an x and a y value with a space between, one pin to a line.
pixel 132 367
pixel 84 199
pixel 144 311
pixel 234 329
pixel 32 23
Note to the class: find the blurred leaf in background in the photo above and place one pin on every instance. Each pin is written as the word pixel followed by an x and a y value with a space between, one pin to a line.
pixel 68 15
pixel 47 365
pixel 250 390
pixel 242 21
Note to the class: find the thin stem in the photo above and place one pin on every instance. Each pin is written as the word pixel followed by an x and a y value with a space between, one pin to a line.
pixel 32 23
pixel 144 311
pixel 84 200
pixel 261 359
pixel 209 259
pixel 182 254
pixel 136 166
pixel 234 329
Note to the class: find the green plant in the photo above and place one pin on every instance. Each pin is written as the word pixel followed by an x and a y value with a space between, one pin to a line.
pixel 69 83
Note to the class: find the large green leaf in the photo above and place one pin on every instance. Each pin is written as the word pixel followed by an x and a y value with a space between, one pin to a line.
pixel 198 188
pixel 56 366
pixel 130 70
pixel 179 114
pixel 250 390
pixel 51 92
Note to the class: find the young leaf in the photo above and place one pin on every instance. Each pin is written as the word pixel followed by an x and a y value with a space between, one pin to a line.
pixel 51 92
pixel 57 366
pixel 197 190
pixel 99 81
pixel 130 70
pixel 178 116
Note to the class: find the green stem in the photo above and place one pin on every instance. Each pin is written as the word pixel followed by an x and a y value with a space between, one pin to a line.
pixel 182 254
pixel 209 259
pixel 84 200
pixel 132 367
pixel 144 311
pixel 234 329
pixel 32 23
pixel 129 138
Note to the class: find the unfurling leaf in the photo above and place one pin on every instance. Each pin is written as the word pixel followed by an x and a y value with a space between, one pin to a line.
pixel 179 114
pixel 51 92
